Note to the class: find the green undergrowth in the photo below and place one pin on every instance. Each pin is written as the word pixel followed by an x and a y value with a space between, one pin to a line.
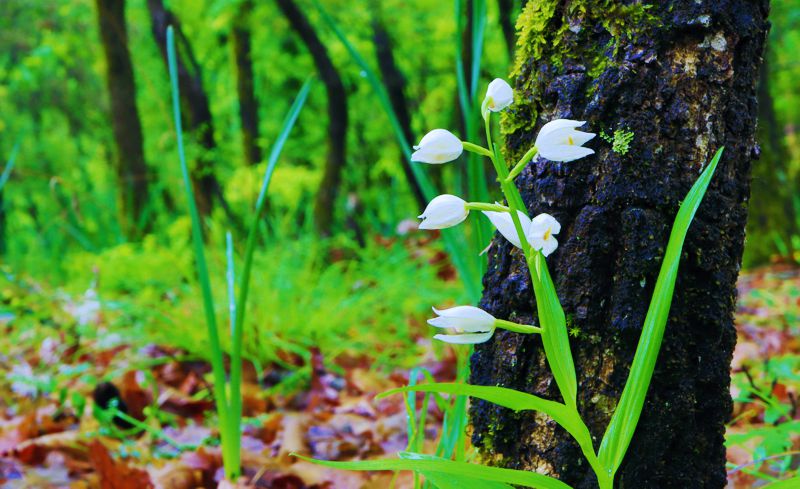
pixel 335 295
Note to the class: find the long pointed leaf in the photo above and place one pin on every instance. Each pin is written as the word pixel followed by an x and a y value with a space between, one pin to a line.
pixel 473 471
pixel 623 423
pixel 509 398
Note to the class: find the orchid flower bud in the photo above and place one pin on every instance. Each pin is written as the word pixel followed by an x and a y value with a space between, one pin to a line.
pixel 499 95
pixel 558 140
pixel 505 225
pixel 472 325
pixel 437 147
pixel 444 211
pixel 541 233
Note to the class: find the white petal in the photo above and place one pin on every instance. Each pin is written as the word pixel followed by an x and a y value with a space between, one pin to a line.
pixel 500 94
pixel 579 138
pixel 505 225
pixel 550 246
pixel 465 318
pixel 544 222
pixel 438 146
pixel 556 125
pixel 465 312
pixel 465 325
pixel 564 153
pixel 464 339
pixel 443 211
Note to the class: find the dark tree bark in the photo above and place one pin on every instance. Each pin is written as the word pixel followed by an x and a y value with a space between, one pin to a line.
pixel 682 76
pixel 245 86
pixel 337 116
pixel 506 18
pixel 195 108
pixel 131 168
pixel 395 84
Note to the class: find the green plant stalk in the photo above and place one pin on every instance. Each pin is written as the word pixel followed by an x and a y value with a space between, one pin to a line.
pixel 9 166
pixel 551 315
pixel 237 325
pixel 456 248
pixel 153 431
pixel 220 398
pixel 626 416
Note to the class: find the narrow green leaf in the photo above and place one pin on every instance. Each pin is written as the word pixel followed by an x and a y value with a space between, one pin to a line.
pixel 463 469
pixel 555 337
pixel 623 423
pixel 237 326
pixel 9 166
pixel 220 397
pixel 793 483
pixel 509 398
pixel 451 481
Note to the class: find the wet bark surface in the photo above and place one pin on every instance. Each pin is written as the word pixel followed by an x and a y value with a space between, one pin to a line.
pixel 681 76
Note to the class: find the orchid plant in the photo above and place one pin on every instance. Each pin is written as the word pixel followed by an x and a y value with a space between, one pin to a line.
pixel 562 141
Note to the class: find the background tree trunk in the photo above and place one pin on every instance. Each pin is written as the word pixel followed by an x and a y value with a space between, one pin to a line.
pixel 337 116
pixel 195 108
pixel 131 169
pixel 395 84
pixel 245 86
pixel 681 75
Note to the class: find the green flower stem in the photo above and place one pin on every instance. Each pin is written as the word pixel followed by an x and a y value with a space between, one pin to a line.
pixel 517 328
pixel 538 269
pixel 483 206
pixel 523 162
pixel 153 431
pixel 477 149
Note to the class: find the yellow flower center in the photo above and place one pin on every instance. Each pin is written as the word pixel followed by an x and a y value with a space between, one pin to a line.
pixel 547 233
pixel 570 141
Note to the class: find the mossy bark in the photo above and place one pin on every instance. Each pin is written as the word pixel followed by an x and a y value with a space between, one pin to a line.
pixel 681 75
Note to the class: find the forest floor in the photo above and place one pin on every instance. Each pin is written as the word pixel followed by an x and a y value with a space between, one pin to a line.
pixel 58 426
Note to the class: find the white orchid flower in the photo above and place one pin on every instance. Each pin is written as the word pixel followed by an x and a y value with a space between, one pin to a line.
pixel 437 147
pixel 472 325
pixel 444 211
pixel 499 95
pixel 558 140
pixel 505 225
pixel 541 234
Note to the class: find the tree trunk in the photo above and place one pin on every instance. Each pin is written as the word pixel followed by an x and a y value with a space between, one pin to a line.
pixel 681 75
pixel 506 19
pixel 195 107
pixel 337 116
pixel 245 87
pixel 395 84
pixel 131 169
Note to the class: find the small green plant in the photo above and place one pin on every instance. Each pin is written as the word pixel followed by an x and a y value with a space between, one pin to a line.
pixel 227 396
pixel 620 141
pixel 558 140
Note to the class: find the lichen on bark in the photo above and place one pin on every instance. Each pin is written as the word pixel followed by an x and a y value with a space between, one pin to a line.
pixel 681 75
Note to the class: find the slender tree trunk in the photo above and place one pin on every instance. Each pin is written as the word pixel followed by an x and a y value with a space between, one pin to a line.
pixel 506 18
pixel 337 116
pixel 195 107
pixel 681 75
pixel 132 172
pixel 395 84
pixel 245 86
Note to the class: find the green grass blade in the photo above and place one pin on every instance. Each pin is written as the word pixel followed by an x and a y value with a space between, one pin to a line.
pixel 508 398
pixel 237 333
pixel 451 481
pixel 9 166
pixel 463 469
pixel 623 423
pixel 478 30
pixel 218 369
pixel 456 247
pixel 793 483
